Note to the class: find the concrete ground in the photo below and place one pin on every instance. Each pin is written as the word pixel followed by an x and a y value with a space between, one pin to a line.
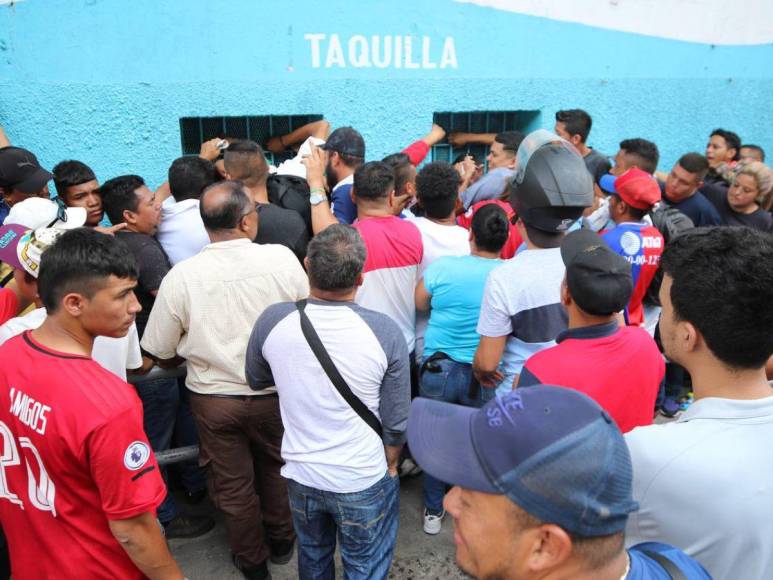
pixel 417 554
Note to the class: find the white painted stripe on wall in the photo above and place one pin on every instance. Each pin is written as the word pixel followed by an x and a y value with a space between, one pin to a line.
pixel 727 22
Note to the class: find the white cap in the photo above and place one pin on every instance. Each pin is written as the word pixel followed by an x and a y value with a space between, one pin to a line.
pixel 38 212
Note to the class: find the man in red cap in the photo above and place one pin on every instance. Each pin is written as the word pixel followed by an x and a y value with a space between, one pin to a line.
pixel 638 241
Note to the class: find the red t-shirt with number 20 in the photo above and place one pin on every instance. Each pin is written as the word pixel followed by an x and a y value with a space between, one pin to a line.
pixel 74 456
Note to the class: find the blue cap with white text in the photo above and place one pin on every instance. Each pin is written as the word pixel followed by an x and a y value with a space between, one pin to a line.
pixel 553 451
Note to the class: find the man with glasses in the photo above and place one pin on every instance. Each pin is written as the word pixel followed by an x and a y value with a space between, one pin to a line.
pixel 204 313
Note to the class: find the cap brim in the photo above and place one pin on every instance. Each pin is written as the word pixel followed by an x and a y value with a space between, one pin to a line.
pixel 35 182
pixel 607 183
pixel 8 254
pixel 440 439
pixel 76 217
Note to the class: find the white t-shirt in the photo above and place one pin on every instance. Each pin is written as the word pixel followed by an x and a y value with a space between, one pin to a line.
pixel 181 232
pixel 704 484
pixel 522 301
pixel 438 240
pixel 114 354
pixel 326 445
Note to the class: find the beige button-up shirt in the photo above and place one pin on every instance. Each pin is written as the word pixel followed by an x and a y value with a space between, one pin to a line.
pixel 207 306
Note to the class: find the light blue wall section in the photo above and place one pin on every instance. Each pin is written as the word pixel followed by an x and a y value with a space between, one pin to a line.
pixel 106 81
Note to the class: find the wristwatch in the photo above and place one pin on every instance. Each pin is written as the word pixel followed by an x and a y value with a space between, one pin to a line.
pixel 317 198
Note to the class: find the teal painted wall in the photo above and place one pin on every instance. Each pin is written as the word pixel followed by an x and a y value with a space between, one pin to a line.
pixel 106 81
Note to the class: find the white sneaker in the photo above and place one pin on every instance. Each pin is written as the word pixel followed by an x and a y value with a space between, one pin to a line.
pixel 432 523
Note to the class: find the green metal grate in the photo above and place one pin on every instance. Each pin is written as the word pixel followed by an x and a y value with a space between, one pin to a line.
pixel 479 122
pixel 260 128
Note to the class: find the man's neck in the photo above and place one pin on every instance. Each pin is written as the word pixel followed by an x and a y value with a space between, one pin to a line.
pixel 259 193
pixel 446 221
pixel 578 570
pixel 64 335
pixel 579 319
pixel 226 236
pixel 365 211
pixel 711 378
pixel 583 149
pixel 484 254
pixel 328 296
pixel 343 172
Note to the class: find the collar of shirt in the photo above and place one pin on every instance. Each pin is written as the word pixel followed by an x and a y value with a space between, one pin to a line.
pixel 228 244
pixel 595 331
pixel 345 181
pixel 719 408
pixel 329 302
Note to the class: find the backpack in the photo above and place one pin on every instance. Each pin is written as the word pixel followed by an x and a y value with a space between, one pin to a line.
pixel 291 192
pixel 670 222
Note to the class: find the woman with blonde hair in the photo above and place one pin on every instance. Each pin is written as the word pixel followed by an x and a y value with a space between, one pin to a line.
pixel 747 198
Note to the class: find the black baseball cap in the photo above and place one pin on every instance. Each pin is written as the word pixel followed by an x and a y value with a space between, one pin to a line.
pixel 19 169
pixel 346 140
pixel 599 280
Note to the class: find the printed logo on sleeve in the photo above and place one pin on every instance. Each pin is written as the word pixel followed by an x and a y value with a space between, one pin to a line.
pixel 136 456
pixel 630 243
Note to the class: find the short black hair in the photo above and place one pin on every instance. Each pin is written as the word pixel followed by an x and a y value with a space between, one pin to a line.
pixel 576 122
pixel 69 173
pixel 694 163
pixel 228 214
pixel 118 195
pixel 437 187
pixel 723 285
pixel 373 180
pixel 510 140
pixel 401 165
pixel 490 228
pixel 732 141
pixel 80 261
pixel 245 160
pixel 646 153
pixel 189 176
pixel 757 148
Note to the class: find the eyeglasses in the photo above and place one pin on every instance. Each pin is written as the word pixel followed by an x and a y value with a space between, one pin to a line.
pixel 61 213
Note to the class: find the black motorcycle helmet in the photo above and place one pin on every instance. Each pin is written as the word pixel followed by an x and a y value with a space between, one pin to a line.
pixel 552 186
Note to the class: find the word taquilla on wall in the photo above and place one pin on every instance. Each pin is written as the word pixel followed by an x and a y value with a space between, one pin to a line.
pixel 381 51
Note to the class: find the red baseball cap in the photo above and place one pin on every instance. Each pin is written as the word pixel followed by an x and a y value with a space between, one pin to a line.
pixel 638 189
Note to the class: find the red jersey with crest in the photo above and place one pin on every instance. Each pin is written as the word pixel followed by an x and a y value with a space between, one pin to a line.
pixel 74 456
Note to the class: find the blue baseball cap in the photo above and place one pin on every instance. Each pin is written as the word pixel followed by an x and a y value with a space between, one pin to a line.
pixel 552 451
pixel 607 183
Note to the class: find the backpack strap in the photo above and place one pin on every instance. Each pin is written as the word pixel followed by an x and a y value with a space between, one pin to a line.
pixel 332 372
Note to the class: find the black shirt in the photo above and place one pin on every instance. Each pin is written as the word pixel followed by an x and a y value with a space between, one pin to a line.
pixel 758 219
pixel 278 225
pixel 597 164
pixel 153 264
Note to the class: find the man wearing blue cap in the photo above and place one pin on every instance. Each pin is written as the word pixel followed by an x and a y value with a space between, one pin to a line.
pixel 542 488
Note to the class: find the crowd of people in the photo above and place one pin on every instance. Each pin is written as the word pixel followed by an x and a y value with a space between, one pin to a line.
pixel 507 330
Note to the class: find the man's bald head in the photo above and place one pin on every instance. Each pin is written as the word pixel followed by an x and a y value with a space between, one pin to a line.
pixel 224 205
pixel 244 160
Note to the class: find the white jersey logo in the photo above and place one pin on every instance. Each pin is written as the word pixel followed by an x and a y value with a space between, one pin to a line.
pixel 630 243
pixel 137 455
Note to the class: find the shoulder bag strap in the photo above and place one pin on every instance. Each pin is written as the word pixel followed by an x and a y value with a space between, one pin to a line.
pixel 332 372
pixel 671 569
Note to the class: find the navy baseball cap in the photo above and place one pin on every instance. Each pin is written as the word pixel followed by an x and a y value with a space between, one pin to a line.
pixel 346 140
pixel 552 451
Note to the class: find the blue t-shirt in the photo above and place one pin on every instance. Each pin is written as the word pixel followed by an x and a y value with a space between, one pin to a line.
pixel 343 206
pixel 643 567
pixel 456 284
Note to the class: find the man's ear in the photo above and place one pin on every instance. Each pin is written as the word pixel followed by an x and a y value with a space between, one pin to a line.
pixel 360 278
pixel 306 263
pixel 690 336
pixel 73 304
pixel 566 298
pixel 550 547
pixel 391 198
pixel 410 188
pixel 129 217
pixel 227 175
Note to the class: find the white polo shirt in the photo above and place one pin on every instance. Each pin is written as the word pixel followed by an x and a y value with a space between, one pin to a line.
pixel 705 484
pixel 181 232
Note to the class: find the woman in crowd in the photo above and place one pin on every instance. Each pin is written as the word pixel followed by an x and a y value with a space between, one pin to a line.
pixel 748 193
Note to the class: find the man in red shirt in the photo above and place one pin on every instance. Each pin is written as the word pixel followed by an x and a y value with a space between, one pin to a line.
pixel 619 367
pixel 79 484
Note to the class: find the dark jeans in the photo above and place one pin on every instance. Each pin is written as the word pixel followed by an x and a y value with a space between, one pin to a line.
pixel 451 383
pixel 160 400
pixel 193 477
pixel 241 439
pixel 366 522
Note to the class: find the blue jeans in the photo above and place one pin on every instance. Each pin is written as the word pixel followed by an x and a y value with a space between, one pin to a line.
pixel 451 383
pixel 366 522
